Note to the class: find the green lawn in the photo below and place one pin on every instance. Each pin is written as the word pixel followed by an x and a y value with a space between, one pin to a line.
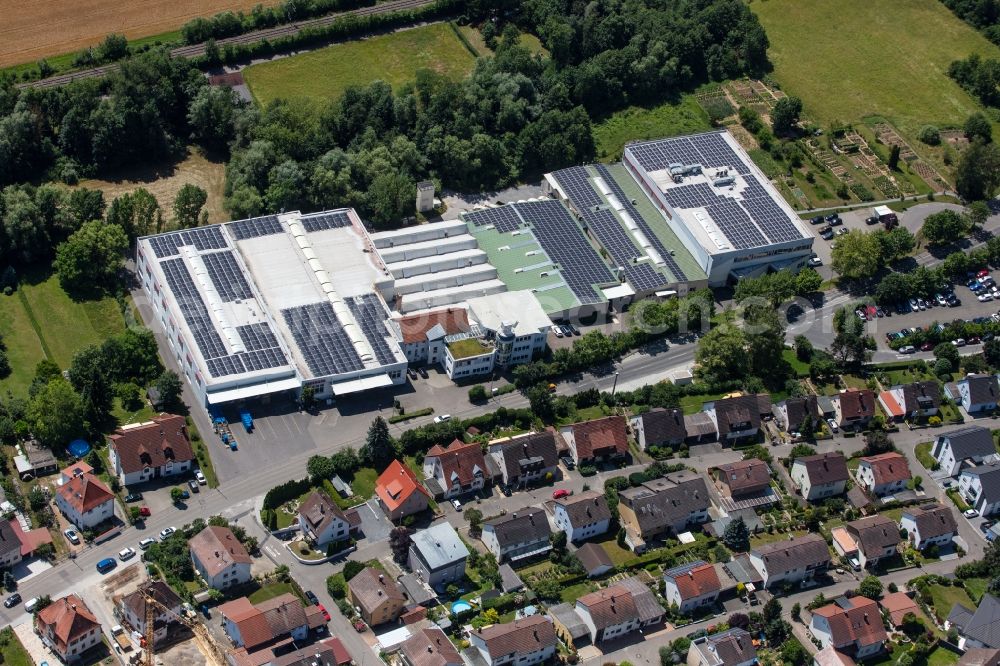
pixel 944 598
pixel 905 376
pixel 941 657
pixel 571 593
pixel 324 74
pixel 12 652
pixel 860 58
pixel 976 587
pixel 638 123
pixel 618 555
pixel 764 538
pixel 363 483
pixel 801 368
pixel 923 453
pixel 64 327
pixel 270 592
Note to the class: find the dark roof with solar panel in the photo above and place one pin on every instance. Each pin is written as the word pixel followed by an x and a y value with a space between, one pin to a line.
pixel 255 227
pixel 321 339
pixel 748 218
pixel 203 238
pixel 323 221
pixel 227 276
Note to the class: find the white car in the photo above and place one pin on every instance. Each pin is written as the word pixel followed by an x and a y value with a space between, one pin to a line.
pixel 970 513
pixel 126 554
pixel 833 425
pixel 166 532
pixel 958 342
pixel 442 418
pixel 814 261
pixel 72 535
pixel 146 543
pixel 457 505
pixel 914 305
pixel 984 298
pixel 557 331
pixel 200 477
pixel 907 349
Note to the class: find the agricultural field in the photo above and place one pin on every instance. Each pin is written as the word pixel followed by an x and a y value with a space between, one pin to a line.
pixel 39 320
pixel 324 74
pixel 164 180
pixel 860 58
pixel 34 30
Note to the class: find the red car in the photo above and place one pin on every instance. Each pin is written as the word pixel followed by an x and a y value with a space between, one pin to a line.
pixel 982 273
pixel 326 613
pixel 927 346
pixel 145 512
pixel 559 494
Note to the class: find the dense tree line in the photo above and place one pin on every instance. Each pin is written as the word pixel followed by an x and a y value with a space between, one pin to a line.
pixel 228 24
pixel 984 15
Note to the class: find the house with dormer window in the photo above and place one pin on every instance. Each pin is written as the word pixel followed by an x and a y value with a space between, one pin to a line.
pixel 455 469
pixel 151 450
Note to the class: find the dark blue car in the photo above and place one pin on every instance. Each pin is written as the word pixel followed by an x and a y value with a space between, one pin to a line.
pixel 106 565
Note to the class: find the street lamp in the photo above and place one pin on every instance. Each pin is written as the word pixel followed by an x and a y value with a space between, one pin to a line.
pixel 614 387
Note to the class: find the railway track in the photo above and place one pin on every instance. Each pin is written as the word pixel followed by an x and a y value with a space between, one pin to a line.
pixel 277 32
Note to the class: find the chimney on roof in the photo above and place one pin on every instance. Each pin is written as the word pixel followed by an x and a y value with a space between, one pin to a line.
pixel 381 578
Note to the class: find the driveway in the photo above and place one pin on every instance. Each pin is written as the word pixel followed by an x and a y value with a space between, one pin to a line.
pixel 374 524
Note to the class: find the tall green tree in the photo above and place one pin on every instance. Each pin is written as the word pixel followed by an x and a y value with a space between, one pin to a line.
pixel 785 114
pixel 88 375
pixel 91 259
pixel 978 128
pixel 55 414
pixel 856 255
pixel 977 175
pixel 188 205
pixel 168 384
pixel 737 536
pixel 944 227
pixel 379 449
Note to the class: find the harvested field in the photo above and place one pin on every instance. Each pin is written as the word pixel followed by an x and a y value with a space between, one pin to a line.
pixel 33 30
pixel 163 182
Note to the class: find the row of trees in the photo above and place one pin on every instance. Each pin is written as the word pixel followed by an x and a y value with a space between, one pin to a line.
pixel 228 24
pixel 860 255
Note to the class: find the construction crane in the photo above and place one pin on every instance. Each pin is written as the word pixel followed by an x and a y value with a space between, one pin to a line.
pixel 197 628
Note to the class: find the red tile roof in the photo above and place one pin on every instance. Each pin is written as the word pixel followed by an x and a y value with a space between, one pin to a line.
pixel 68 618
pixel 856 403
pixel 84 493
pixel 152 444
pixel 415 327
pixel 891 405
pixel 31 539
pixel 600 437
pixel 459 459
pixel 217 548
pixel 340 653
pixel 898 604
pixel 888 467
pixel 396 484
pixel 696 581
pixel 859 623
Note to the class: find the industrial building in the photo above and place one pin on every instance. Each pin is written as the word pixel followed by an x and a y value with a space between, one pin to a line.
pixel 678 210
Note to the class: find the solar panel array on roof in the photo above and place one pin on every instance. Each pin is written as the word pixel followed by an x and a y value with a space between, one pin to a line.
pixel 370 314
pixel 641 221
pixel 505 218
pixel 255 227
pixel 321 339
pixel 226 276
pixel 257 336
pixel 609 231
pixel 193 309
pixel 563 240
pixel 735 223
pixel 250 361
pixel 326 221
pixel 203 238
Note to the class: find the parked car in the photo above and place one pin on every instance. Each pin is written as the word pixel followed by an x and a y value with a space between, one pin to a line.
pixel 106 565
pixel 907 349
pixel 326 613
pixel 146 543
pixel 458 505
pixel 12 600
pixel 200 477
pixel 834 220
pixel 958 342
pixel 557 331
pixel 133 497
pixel 31 604
pixel 126 554
pixel 879 312
pixel 166 532
pixel 72 535
pixel 970 513
pixel 423 372
pixel 833 425
pixel 871 220
pixel 984 297
pixel 927 346
pixel 193 485
pixel 442 418
pixel 826 233
pixel 817 220
pixel 573 329
pixel 814 261
pixel 985 525
pixel 567 462
pixel 313 599
pixel 914 305
pixel 145 512
pixel 922 304
pixel 560 493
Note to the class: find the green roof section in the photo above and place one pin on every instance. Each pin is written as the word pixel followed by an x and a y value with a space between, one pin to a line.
pixel 655 220
pixel 510 255
pixel 467 347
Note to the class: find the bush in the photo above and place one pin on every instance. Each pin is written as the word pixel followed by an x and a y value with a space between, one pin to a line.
pixel 336 586
pixel 930 135
pixel 477 393
pixel 587 470
pixel 352 569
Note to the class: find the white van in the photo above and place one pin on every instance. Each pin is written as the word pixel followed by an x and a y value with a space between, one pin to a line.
pixel 31 604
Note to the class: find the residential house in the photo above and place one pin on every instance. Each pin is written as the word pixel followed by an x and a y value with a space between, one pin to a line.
pixel 525 459
pixel 884 474
pixel 828 656
pixel 662 506
pixel 966 446
pixel 659 427
pixel 820 476
pixel 422 336
pixel 911 401
pixel 219 557
pixel 793 412
pixel 509 580
pixel 897 605
pixel 255 626
pixel 77 468
pixel 979 628
pixel 737 418
pixel 438 555
pixel 700 428
pixel 518 535
pixel 166 610
pixel 929 524
pixel 155 449
pixel 877 538
pixel 68 627
pixel 568 624
pixel 530 640
pixel 845 545
pixel 10 545
pixel 745 478
pixel 582 516
pixel 377 595
pixel 618 610
pixel 322 522
pixel 691 586
pixel 455 469
pixel 595 560
pixel 854 408
pixel 595 441
pixel 792 560
pixel 733 647
pixel 977 393
pixel 85 501
pixel 980 488
pixel 33 461
pixel 851 626
pixel 429 647
pixel 399 492
pixel 980 657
